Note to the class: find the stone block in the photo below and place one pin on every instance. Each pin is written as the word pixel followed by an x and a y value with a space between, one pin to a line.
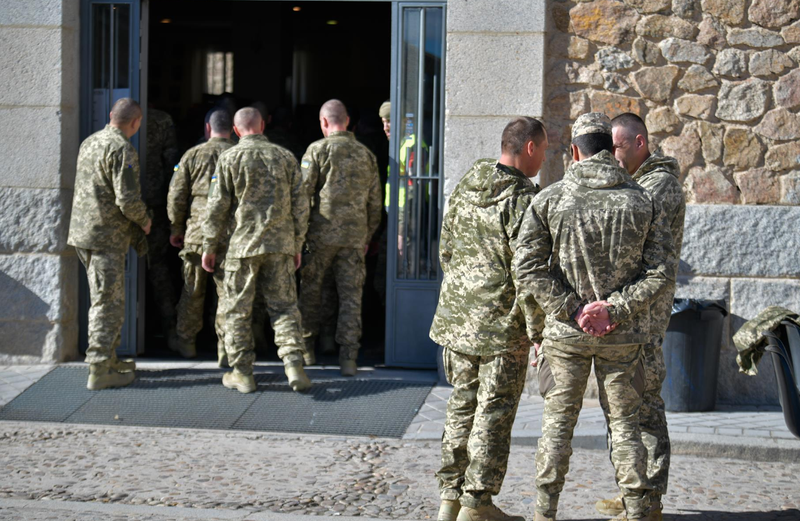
pixel 741 241
pixel 711 33
pixel 34 220
pixel 783 157
pixel 773 13
pixel 27 342
pixel 787 90
pixel 737 388
pixel 686 8
pixel 695 106
pixel 39 12
pixel 759 186
pixel 660 26
pixel 731 63
pixel 578 104
pixel 613 59
pixel 791 33
pixel 578 48
pixel 506 16
pixel 769 63
pixel 604 21
pixel 743 101
pixel 662 120
pixel 479 84
pixel 780 125
pixel 655 83
pixel 31 65
pixel 711 140
pixel 742 148
pixel 704 288
pixel 479 136
pixel 729 11
pixel 649 6
pixel 615 82
pixel 754 37
pixel 677 50
pixel 710 185
pixel 39 287
pixel 645 51
pixel 614 104
pixel 697 78
pixel 790 188
pixel 685 148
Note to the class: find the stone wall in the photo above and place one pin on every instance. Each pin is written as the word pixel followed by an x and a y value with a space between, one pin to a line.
pixel 39 137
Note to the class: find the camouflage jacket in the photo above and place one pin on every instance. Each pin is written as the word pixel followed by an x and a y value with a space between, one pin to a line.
pixel 341 177
pixel 479 311
pixel 162 154
pixel 188 191
pixel 595 235
pixel 107 204
pixel 659 176
pixel 261 185
pixel 750 341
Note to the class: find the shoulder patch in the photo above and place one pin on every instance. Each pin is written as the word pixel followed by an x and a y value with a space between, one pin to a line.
pixel 306 163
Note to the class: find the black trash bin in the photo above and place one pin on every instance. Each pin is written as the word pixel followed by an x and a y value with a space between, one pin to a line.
pixel 691 354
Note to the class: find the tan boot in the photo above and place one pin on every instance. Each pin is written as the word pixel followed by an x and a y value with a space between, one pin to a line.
pixel 102 376
pixel 185 348
pixel 309 358
pixel 541 517
pixel 653 514
pixel 122 366
pixel 610 507
pixel 244 383
pixel 485 513
pixel 298 380
pixel 348 367
pixel 448 510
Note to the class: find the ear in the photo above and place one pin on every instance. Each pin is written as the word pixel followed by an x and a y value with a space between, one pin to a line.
pixel 575 156
pixel 208 128
pixel 530 146
pixel 237 131
pixel 640 142
pixel 263 126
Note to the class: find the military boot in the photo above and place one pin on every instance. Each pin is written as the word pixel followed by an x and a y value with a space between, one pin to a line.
pixel 485 513
pixel 102 376
pixel 541 517
pixel 653 514
pixel 298 380
pixel 244 383
pixel 309 358
pixel 327 344
pixel 122 366
pixel 448 510
pixel 185 348
pixel 348 367
pixel 610 507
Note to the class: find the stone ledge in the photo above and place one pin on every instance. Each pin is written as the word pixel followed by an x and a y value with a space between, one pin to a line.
pixel 39 288
pixel 506 16
pixel 34 221
pixel 25 342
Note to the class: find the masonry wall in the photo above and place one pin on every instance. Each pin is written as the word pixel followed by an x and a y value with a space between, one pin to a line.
pixel 39 140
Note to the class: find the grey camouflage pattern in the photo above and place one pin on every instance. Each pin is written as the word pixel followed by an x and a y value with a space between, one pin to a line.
pixel 480 311
pixel 341 177
pixel 749 340
pixel 106 203
pixel 609 240
pixel 261 185
pixel 192 301
pixel 477 431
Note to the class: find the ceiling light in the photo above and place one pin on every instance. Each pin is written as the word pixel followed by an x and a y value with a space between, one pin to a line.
pixel 332 22
pixel 296 8
pixel 166 21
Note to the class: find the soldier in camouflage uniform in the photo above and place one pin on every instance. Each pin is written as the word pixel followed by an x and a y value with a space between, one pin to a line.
pixel 659 176
pixel 162 154
pixel 595 251
pixel 186 206
pixel 481 322
pixel 259 185
pixel 341 178
pixel 107 215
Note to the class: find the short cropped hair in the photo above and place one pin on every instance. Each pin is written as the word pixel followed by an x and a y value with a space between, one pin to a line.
pixel 125 110
pixel 247 118
pixel 591 144
pixel 632 123
pixel 519 131
pixel 220 121
pixel 334 111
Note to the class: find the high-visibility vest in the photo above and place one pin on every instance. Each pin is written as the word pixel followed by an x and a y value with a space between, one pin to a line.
pixel 407 157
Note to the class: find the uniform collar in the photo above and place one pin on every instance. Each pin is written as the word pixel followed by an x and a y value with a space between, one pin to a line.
pixel 345 133
pixel 254 137
pixel 116 131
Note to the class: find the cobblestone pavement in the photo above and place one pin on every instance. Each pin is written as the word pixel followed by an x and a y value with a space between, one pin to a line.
pixel 311 475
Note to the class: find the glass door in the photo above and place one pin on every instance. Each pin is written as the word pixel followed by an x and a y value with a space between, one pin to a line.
pixel 110 64
pixel 415 180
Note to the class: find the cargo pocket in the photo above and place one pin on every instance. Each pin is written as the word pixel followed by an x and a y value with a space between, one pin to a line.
pixel 546 380
pixel 639 377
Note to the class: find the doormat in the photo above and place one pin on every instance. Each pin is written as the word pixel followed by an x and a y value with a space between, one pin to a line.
pixel 192 398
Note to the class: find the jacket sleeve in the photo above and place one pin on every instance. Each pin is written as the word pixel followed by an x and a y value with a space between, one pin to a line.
pixel 310 171
pixel 220 195
pixel 534 316
pixel 531 265
pixel 179 196
pixel 374 201
pixel 446 235
pixel 301 203
pixel 658 270
pixel 127 191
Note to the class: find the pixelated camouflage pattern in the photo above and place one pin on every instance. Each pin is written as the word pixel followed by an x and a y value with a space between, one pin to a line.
pixel 260 184
pixel 107 197
pixel 591 123
pixel 341 177
pixel 105 272
pixel 660 176
pixel 477 431
pixel 188 190
pixel 609 240
pixel 570 366
pixel 192 299
pixel 162 154
pixel 480 311
pixel 750 341
pixel 346 266
pixel 271 276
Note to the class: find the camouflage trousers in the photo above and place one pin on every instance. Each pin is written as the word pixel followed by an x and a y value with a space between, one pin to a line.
pixel 477 431
pixel 272 276
pixel 158 274
pixel 193 296
pixel 652 419
pixel 563 374
pixel 349 272
pixel 106 274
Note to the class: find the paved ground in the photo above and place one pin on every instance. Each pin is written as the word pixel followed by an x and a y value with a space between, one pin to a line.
pixel 65 472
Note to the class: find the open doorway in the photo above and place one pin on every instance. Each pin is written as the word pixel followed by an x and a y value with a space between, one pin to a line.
pixel 288 58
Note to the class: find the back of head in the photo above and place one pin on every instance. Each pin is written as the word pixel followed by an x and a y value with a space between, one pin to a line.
pixel 334 111
pixel 248 119
pixel 632 124
pixel 385 110
pixel 519 131
pixel 220 121
pixel 591 133
pixel 124 111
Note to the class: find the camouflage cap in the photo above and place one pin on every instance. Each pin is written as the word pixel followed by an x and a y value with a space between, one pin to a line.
pixel 385 110
pixel 591 123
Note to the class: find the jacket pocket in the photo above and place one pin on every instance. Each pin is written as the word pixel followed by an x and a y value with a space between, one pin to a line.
pixel 546 380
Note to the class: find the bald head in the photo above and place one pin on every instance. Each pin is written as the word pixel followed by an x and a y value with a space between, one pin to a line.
pixel 335 112
pixel 631 124
pixel 125 110
pixel 630 141
pixel 248 121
